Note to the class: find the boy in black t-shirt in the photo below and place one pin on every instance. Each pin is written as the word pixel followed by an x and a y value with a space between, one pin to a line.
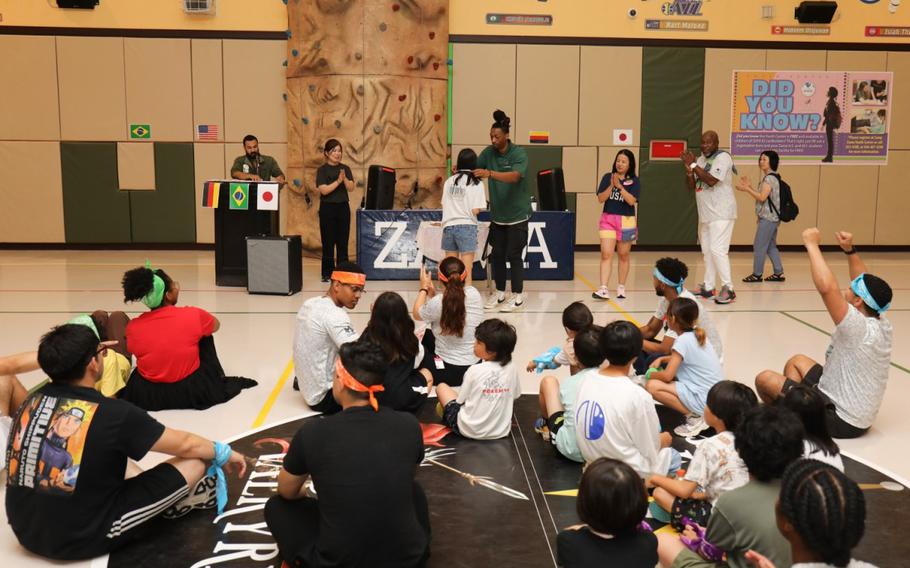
pixel 370 511
pixel 66 495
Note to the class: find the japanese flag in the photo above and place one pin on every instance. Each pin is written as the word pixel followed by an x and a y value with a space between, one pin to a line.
pixel 267 200
pixel 622 137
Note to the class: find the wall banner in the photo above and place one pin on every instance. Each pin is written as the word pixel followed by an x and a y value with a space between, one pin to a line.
pixel 811 117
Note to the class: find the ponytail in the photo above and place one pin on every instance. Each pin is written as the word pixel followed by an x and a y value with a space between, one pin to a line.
pixel 454 314
pixel 700 335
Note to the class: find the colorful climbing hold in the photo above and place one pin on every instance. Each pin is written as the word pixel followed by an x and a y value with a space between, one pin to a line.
pixel 402 97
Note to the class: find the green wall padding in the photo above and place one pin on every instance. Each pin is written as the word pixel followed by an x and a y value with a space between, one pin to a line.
pixel 672 95
pixel 541 158
pixel 168 214
pixel 572 202
pixel 94 209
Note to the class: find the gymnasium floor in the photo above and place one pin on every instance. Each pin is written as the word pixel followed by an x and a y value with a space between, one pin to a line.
pixel 767 323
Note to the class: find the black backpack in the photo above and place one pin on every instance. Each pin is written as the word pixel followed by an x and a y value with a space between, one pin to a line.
pixel 789 210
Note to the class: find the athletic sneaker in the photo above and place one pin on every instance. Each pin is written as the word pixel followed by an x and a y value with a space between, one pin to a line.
pixel 601 294
pixel 512 305
pixel 620 291
pixel 540 426
pixel 494 302
pixel 726 296
pixel 704 292
pixel 202 496
pixel 694 426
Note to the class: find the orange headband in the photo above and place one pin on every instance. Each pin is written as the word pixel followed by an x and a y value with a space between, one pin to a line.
pixel 351 278
pixel 350 382
pixel 462 276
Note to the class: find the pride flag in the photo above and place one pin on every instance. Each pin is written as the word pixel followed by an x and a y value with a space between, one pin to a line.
pixel 210 192
pixel 240 196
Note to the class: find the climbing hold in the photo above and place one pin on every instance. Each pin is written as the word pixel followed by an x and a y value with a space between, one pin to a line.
pixel 395 7
pixel 377 129
pixel 448 61
pixel 284 96
pixel 312 88
pixel 432 35
pixel 284 63
pixel 358 56
pixel 305 120
pixel 435 66
pixel 360 90
pixel 295 53
pixel 297 182
pixel 402 97
pixel 410 59
pixel 383 27
pixel 337 124
pixel 437 117
pixel 288 32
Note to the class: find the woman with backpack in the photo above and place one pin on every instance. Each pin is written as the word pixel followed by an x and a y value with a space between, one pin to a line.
pixel 767 208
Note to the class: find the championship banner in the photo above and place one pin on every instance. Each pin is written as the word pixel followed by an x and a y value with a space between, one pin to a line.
pixel 812 117
pixel 387 244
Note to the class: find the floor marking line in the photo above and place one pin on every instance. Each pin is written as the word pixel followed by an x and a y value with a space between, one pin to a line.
pixel 537 477
pixel 611 303
pixel 273 396
pixel 533 497
pixel 807 324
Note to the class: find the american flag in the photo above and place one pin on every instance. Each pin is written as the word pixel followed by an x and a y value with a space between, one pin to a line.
pixel 207 131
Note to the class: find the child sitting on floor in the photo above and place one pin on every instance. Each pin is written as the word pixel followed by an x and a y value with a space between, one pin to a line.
pixel 557 398
pixel 716 467
pixel 575 318
pixel 811 407
pixel 611 503
pixel 483 408
pixel 690 370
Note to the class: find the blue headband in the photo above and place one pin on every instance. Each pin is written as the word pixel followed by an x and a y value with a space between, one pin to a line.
pixel 667 281
pixel 858 285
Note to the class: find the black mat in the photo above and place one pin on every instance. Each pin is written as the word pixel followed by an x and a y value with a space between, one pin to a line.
pixel 472 526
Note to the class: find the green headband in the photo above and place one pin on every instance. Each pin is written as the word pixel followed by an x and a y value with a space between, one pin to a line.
pixel 154 298
pixel 87 321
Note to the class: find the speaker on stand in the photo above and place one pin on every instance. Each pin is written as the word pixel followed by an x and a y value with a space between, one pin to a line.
pixel 551 190
pixel 380 188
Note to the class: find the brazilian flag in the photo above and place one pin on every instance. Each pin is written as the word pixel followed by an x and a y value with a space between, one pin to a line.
pixel 140 131
pixel 240 196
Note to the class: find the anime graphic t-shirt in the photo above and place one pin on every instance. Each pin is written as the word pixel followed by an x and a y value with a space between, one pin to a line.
pixel 67 456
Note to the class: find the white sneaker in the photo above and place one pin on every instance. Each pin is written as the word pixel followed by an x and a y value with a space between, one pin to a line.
pixel 620 291
pixel 201 496
pixel 694 426
pixel 601 294
pixel 512 305
pixel 494 302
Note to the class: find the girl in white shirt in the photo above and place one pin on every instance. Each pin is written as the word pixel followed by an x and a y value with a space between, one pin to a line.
pixel 462 199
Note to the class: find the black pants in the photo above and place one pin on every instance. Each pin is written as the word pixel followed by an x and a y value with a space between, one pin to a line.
pixel 334 229
pixel 829 134
pixel 643 361
pixel 508 242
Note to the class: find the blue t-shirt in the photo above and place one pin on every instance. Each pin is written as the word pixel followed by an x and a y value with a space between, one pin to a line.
pixel 615 203
pixel 568 393
pixel 698 372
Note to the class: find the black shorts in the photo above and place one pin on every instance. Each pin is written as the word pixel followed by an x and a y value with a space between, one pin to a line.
pixel 696 510
pixel 837 426
pixel 142 499
pixel 554 423
pixel 450 415
pixel 327 405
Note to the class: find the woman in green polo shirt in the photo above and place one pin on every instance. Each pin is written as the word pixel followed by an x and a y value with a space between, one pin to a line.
pixel 505 166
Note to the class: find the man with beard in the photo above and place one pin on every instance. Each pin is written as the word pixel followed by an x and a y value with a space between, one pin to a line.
pixel 253 166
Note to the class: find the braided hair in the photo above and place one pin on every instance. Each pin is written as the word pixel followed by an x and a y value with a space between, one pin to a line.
pixel 825 507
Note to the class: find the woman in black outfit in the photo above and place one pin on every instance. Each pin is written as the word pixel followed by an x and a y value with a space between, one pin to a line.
pixel 334 181
pixel 831 122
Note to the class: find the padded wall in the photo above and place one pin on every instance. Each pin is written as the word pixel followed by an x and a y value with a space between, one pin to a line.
pixel 546 96
pixel 254 82
pixel 609 93
pixel 479 88
pixel 91 77
pixel 94 208
pixel 208 164
pixel 32 210
pixel 167 215
pixel 159 86
pixel 29 110
pixel 208 83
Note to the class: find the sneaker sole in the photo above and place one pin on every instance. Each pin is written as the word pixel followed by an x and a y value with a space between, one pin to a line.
pixel 596 297
pixel 202 496
pixel 508 310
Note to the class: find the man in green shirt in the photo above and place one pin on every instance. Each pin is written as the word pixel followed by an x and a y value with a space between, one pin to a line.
pixel 253 166
pixel 505 166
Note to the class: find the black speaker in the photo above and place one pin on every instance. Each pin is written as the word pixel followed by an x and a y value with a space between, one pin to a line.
pixel 380 188
pixel 82 4
pixel 274 265
pixel 815 12
pixel 551 190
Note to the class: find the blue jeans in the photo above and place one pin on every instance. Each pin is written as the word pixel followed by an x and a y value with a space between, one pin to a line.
pixel 765 244
pixel 459 238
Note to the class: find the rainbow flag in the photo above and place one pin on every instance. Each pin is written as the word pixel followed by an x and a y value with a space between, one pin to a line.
pixel 539 136
pixel 210 192
pixel 240 196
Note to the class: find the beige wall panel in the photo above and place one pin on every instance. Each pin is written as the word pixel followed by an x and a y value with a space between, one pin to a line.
pixel 899 132
pixel 744 229
pixel 296 149
pixel 30 110
pixel 587 219
pixel 208 84
pixel 136 165
pixel 857 60
pixel 605 157
pixel 891 226
pixel 254 105
pixel 804 182
pixel 719 67
pixel 479 88
pixel 545 94
pixel 846 202
pixel 92 88
pixel 32 209
pixel 603 107
pixel 159 87
pixel 784 59
pixel 208 161
pixel 579 165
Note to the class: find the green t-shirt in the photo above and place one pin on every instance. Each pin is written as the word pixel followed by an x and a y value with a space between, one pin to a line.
pixel 509 202
pixel 268 167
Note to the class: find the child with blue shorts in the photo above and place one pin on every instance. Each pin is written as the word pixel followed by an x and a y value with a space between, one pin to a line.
pixel 462 199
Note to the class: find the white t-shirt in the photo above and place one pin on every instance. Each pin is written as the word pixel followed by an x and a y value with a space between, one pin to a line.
pixel 460 199
pixel 704 321
pixel 856 367
pixel 615 418
pixel 487 396
pixel 322 328
pixel 699 371
pixel 813 452
pixel 717 203
pixel 451 348
pixel 716 466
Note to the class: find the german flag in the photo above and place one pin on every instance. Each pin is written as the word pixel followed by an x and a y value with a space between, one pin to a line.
pixel 210 192
pixel 540 136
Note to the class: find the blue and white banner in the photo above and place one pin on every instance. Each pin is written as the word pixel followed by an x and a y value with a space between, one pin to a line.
pixel 387 244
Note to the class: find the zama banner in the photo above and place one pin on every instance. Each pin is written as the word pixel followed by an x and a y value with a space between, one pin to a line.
pixel 812 117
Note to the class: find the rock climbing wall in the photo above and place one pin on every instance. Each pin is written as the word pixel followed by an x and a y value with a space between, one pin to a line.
pixel 371 73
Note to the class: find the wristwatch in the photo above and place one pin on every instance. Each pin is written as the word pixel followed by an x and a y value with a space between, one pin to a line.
pixel 692 166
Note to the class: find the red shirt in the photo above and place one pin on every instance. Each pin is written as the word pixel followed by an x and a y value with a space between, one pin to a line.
pixel 165 341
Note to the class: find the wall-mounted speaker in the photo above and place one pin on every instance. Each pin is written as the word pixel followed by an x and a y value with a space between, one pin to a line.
pixel 815 12
pixel 380 188
pixel 80 4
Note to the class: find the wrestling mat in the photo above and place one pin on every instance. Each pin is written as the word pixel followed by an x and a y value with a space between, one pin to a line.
pixel 527 496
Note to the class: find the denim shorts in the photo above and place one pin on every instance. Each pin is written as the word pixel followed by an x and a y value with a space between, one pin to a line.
pixel 459 238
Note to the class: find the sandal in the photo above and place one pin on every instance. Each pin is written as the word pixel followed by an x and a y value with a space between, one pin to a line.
pixel 776 278
pixel 752 278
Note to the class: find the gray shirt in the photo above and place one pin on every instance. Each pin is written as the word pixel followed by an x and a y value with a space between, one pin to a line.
pixel 322 328
pixel 763 208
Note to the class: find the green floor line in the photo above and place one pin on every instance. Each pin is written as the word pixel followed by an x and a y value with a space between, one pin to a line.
pixel 807 324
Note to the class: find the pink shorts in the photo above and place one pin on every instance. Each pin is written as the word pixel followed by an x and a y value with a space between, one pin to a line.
pixel 618 227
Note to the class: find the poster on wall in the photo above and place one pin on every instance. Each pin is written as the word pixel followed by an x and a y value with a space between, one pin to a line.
pixel 812 117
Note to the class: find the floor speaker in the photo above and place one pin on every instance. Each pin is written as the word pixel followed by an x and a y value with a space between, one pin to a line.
pixel 274 265
pixel 380 188
pixel 551 190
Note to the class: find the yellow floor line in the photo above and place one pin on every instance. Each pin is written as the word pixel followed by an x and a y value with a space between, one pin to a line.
pixel 612 304
pixel 267 407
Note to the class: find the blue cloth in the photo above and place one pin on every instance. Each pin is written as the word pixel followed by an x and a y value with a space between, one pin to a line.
pixel 858 285
pixel 678 285
pixel 699 371
pixel 216 470
pixel 459 238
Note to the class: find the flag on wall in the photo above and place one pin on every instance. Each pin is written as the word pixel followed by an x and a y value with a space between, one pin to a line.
pixel 140 131
pixel 240 196
pixel 207 132
pixel 622 136
pixel 539 136
pixel 267 198
pixel 210 192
